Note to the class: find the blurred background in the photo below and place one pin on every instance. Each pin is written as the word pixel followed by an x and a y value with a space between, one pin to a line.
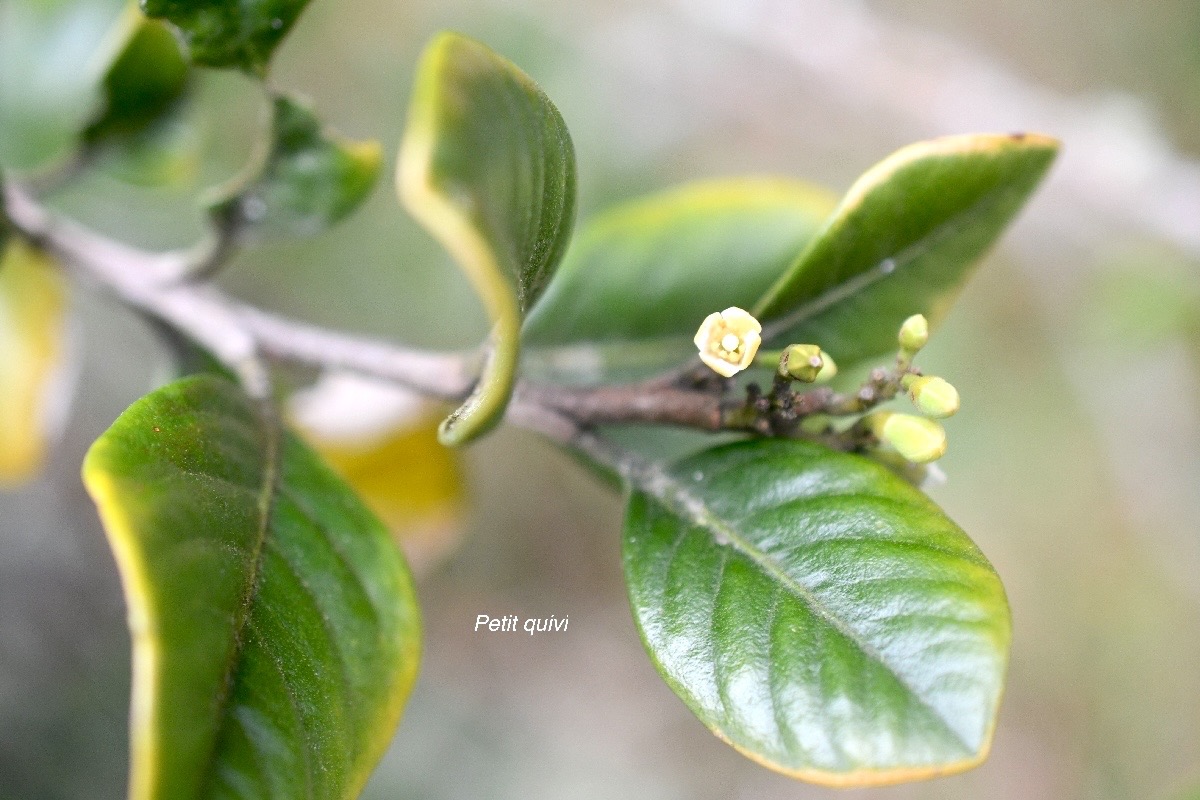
pixel 1075 463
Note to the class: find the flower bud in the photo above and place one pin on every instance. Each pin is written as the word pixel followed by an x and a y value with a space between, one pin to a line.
pixel 801 362
pixel 728 340
pixel 828 368
pixel 914 333
pixel 933 396
pixel 918 439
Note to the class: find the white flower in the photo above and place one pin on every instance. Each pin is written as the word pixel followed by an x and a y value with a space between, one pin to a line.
pixel 728 340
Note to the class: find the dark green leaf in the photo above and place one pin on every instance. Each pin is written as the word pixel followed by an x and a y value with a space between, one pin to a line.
pixel 818 613
pixel 143 84
pixel 275 629
pixel 487 166
pixel 230 33
pixel 902 242
pixel 637 281
pixel 308 179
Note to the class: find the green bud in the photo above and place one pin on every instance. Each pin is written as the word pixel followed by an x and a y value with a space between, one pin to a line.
pixel 828 368
pixel 914 333
pixel 918 439
pixel 935 397
pixel 801 362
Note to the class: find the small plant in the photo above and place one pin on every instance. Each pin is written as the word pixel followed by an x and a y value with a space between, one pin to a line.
pixel 794 587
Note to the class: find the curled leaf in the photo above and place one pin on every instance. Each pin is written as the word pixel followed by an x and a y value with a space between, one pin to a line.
pixel 487 166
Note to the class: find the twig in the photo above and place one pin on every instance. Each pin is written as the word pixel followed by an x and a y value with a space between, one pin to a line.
pixel 164 287
pixel 238 335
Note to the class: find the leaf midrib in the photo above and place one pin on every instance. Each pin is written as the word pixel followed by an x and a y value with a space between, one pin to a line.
pixel 885 267
pixel 696 509
pixel 268 492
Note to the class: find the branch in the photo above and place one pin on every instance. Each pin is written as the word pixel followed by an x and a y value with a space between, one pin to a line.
pixel 237 334
pixel 166 287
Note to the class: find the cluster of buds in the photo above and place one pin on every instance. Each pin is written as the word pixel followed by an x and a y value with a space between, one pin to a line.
pixel 918 439
pixel 729 341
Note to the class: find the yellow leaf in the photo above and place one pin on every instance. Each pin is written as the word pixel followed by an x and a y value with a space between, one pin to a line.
pixel 32 343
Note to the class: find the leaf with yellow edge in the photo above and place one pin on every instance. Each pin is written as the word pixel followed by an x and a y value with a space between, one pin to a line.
pixel 32 344
pixel 902 242
pixel 487 166
pixel 307 179
pixel 275 626
pixel 818 613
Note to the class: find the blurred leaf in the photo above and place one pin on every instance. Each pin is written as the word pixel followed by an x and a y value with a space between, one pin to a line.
pixel 1142 300
pixel 53 54
pixel 168 153
pixel 308 179
pixel 230 33
pixel 141 134
pixel 144 82
pixel 654 268
pixel 382 439
pixel 487 167
pixel 275 629
pixel 902 242
pixel 818 613
pixel 411 482
pixel 32 342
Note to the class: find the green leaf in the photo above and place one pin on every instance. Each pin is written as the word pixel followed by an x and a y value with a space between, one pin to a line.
pixel 52 57
pixel 818 613
pixel 143 84
pixel 230 33
pixel 33 344
pixel 487 167
pixel 638 280
pixel 902 242
pixel 307 179
pixel 275 628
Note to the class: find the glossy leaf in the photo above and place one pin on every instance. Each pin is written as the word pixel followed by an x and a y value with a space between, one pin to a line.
pixel 275 629
pixel 52 57
pixel 145 81
pixel 902 242
pixel 308 178
pixel 487 166
pixel 638 280
pixel 33 308
pixel 818 613
pixel 230 33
